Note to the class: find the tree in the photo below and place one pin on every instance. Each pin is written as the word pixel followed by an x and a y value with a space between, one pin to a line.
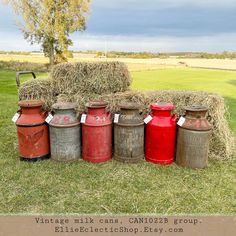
pixel 50 22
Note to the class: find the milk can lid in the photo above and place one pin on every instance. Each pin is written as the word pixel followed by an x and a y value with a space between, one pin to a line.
pixel 96 104
pixel 196 108
pixel 129 105
pixel 163 106
pixel 30 103
pixel 63 105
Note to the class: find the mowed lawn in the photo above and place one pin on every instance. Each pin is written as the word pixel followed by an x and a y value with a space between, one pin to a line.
pixel 222 82
pixel 113 187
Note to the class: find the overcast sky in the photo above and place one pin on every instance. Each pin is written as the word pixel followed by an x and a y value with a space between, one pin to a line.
pixel 144 25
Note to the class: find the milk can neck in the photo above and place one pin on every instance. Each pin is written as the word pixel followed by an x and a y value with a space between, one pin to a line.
pixel 64 111
pixel 126 111
pixel 31 110
pixel 96 111
pixel 163 113
pixel 196 114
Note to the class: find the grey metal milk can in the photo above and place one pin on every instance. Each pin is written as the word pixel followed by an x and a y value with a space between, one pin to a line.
pixel 64 131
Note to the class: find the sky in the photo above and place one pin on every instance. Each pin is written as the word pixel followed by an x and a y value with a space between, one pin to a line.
pixel 143 25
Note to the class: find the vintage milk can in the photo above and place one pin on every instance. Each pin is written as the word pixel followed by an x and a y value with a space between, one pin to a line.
pixel 96 133
pixel 32 131
pixel 193 138
pixel 161 134
pixel 129 134
pixel 65 133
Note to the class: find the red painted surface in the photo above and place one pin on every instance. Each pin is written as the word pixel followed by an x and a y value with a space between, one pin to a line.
pixel 161 135
pixel 33 135
pixel 97 134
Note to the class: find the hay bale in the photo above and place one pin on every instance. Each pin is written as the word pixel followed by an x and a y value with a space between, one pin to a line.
pixel 221 142
pixel 38 89
pixel 113 100
pixel 89 77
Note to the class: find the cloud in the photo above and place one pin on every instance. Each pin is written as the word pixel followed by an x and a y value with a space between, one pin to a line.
pixel 169 22
pixel 145 25
pixel 84 42
pixel 15 42
pixel 144 4
pixel 155 44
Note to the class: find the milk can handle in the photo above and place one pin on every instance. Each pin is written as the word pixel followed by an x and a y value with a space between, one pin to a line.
pixel 18 73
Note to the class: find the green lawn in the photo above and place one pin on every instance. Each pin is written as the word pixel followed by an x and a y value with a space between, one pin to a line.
pixel 113 187
pixel 222 82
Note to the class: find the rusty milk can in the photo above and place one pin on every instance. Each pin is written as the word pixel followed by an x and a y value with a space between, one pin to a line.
pixel 193 138
pixel 32 131
pixel 65 133
pixel 97 133
pixel 129 134
pixel 161 134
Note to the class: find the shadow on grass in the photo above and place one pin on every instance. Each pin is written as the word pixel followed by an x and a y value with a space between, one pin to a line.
pixel 232 82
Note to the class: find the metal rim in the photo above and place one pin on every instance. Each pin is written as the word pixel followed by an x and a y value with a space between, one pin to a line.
pixel 63 106
pixel 64 126
pixel 96 104
pixel 129 106
pixel 162 106
pixel 196 108
pixel 30 103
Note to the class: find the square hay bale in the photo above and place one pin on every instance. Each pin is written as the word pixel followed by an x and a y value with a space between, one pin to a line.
pixel 90 77
pixel 38 89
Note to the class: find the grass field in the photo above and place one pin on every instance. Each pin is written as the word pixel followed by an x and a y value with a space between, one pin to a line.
pixel 113 187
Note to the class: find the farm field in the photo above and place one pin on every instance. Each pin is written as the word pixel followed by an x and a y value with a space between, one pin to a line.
pixel 113 187
pixel 134 64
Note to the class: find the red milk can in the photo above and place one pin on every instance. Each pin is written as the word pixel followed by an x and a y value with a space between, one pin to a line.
pixel 32 131
pixel 97 133
pixel 161 134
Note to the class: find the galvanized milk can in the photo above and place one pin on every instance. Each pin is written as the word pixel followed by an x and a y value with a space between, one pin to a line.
pixel 65 133
pixel 32 131
pixel 129 134
pixel 96 133
pixel 193 138
pixel 160 134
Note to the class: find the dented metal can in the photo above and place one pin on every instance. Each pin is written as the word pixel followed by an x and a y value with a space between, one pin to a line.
pixel 65 133
pixel 32 131
pixel 129 134
pixel 193 138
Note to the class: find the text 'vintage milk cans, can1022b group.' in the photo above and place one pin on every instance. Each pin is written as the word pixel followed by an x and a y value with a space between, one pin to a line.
pixel 160 141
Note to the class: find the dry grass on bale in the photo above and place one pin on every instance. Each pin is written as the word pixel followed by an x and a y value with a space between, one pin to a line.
pixel 113 100
pixel 221 142
pixel 38 89
pixel 90 77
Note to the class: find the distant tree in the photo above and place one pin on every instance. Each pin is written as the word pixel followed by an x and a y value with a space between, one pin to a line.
pixel 50 22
